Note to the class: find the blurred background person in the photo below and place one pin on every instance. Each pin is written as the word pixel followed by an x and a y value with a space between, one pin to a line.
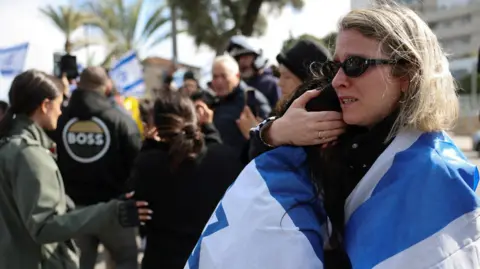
pixel 297 65
pixel 183 176
pixel 235 97
pixel 253 67
pixel 204 105
pixel 190 83
pixel 97 144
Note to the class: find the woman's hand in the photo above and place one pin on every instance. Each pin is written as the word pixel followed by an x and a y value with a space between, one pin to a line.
pixel 302 128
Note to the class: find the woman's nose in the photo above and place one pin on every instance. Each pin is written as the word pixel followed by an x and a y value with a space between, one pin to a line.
pixel 340 80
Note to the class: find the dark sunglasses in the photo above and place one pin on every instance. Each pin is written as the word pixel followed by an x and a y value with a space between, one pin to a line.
pixel 353 66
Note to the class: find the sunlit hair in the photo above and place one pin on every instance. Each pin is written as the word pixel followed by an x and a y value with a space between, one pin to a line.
pixel 430 103
pixel 228 62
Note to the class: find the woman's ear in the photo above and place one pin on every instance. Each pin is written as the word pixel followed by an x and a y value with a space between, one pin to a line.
pixel 44 105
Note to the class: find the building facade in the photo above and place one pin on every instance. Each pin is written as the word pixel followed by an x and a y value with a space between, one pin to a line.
pixel 456 24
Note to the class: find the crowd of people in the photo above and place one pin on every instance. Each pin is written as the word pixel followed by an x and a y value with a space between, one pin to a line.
pixel 77 171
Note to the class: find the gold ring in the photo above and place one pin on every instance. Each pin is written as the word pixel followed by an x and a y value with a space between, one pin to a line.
pixel 320 135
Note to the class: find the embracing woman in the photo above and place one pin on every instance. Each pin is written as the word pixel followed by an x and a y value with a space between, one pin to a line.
pixel 393 191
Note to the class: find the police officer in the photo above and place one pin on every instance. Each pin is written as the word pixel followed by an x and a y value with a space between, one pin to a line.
pixel 97 144
pixel 252 64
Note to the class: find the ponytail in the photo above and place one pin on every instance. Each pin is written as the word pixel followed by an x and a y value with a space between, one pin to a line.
pixel 184 139
pixel 185 146
pixel 6 122
pixel 176 121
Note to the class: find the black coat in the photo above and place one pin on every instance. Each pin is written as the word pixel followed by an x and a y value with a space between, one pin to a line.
pixel 96 145
pixel 182 200
pixel 228 110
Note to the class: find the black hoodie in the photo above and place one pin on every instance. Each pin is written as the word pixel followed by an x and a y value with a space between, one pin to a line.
pixel 96 146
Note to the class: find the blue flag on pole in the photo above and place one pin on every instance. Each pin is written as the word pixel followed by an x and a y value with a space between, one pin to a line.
pixel 12 59
pixel 127 74
pixel 416 208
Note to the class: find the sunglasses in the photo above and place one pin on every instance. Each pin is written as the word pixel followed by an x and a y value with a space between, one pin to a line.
pixel 353 66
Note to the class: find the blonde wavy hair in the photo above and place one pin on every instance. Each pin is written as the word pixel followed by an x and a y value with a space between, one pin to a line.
pixel 430 103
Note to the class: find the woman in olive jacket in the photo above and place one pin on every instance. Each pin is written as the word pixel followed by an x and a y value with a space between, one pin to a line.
pixel 36 222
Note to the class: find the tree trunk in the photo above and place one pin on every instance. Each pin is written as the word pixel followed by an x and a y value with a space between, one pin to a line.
pixel 68 46
pixel 248 22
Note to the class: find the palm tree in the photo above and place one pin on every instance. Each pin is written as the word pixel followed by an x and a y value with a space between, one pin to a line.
pixel 67 20
pixel 119 21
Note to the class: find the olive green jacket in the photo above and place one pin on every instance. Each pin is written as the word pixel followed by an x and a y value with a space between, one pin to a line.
pixel 35 227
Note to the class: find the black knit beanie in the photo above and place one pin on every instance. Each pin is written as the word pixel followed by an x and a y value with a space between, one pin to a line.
pixel 299 58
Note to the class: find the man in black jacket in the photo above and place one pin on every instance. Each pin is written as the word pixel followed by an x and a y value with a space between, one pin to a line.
pixel 234 98
pixel 97 145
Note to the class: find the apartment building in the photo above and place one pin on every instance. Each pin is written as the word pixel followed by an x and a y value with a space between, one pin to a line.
pixel 456 24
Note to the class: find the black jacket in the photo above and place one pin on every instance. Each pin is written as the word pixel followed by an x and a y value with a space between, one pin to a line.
pixel 182 201
pixel 228 110
pixel 96 145
pixel 266 84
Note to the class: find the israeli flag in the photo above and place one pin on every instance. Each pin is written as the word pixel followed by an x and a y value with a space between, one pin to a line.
pixel 12 59
pixel 415 208
pixel 127 74
pixel 266 218
pixel 178 77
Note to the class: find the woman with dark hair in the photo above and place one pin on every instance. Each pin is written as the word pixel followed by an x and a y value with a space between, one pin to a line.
pixel 36 220
pixel 182 176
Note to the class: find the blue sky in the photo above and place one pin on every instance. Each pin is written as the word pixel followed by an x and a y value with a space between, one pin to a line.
pixel 20 21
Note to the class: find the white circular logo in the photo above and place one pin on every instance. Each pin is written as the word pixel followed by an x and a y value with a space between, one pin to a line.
pixel 86 141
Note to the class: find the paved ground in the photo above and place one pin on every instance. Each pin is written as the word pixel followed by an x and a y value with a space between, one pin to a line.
pixel 463 142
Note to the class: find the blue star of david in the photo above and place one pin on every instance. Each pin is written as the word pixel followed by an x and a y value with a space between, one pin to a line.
pixel 122 77
pixel 221 223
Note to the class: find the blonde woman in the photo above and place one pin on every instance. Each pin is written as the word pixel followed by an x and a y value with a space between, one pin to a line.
pixel 394 192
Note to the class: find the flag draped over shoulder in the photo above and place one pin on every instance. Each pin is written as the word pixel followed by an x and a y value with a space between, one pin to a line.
pixel 415 208
pixel 263 220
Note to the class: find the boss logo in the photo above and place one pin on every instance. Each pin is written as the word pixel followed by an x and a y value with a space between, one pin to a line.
pixel 86 141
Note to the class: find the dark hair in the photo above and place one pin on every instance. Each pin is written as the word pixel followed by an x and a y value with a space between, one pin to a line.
pixel 27 92
pixel 207 97
pixel 326 169
pixel 93 78
pixel 3 106
pixel 146 109
pixel 176 122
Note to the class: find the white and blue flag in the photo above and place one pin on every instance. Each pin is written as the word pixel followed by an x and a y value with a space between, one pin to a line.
pixel 127 73
pixel 415 208
pixel 12 59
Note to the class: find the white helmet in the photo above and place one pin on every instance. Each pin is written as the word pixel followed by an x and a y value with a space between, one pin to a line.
pixel 240 45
